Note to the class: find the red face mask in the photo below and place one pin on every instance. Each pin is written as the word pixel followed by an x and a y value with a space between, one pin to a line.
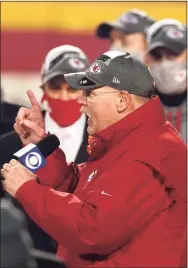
pixel 64 113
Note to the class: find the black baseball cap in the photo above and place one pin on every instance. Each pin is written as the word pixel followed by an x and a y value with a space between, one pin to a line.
pixel 134 21
pixel 167 33
pixel 117 70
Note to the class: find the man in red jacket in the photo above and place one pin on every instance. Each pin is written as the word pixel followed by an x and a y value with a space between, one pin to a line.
pixel 126 206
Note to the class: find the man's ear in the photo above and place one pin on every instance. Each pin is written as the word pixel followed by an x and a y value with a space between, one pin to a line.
pixel 124 101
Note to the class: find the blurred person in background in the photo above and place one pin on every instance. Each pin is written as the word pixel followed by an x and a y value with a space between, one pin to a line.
pixel 59 104
pixel 62 117
pixel 167 49
pixel 127 33
pixel 8 112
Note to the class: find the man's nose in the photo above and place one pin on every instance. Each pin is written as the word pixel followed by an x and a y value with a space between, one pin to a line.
pixel 65 95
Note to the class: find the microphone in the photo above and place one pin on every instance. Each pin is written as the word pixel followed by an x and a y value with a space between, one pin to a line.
pixel 32 156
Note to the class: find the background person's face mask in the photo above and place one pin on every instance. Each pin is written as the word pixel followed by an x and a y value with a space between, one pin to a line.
pixel 170 77
pixel 64 113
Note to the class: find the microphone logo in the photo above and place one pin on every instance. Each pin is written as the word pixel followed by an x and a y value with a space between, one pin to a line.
pixel 31 157
pixel 33 160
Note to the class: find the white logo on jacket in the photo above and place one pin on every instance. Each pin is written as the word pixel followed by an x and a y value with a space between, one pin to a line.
pixel 105 193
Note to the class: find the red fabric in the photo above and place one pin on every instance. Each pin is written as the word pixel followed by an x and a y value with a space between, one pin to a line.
pixel 129 207
pixel 96 147
pixel 65 113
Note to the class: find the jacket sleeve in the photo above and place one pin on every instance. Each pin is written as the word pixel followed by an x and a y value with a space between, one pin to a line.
pixel 57 174
pixel 106 217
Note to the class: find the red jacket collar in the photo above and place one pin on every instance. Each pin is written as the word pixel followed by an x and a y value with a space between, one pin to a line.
pixel 149 114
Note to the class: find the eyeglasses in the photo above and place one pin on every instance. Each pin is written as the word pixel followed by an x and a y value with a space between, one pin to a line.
pixel 89 93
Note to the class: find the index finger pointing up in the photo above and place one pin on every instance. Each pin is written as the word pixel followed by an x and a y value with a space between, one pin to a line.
pixel 33 100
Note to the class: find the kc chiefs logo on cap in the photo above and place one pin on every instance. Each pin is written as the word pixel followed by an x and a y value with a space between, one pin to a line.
pixel 76 63
pixel 174 34
pixel 95 68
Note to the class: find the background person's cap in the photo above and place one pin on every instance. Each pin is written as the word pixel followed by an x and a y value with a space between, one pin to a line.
pixel 61 60
pixel 134 21
pixel 117 70
pixel 167 33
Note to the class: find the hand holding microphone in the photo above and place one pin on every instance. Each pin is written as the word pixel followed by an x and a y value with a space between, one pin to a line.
pixel 15 175
pixel 38 145
pixel 28 160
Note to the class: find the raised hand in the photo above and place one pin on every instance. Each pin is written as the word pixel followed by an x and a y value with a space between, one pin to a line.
pixel 30 122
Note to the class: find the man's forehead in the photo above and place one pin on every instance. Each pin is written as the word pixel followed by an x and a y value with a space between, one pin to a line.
pixel 102 89
pixel 105 89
